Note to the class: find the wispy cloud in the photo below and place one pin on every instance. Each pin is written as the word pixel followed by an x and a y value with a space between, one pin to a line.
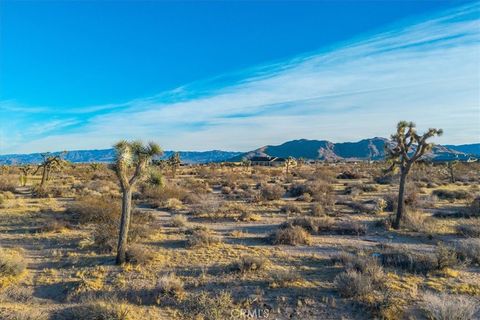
pixel 427 71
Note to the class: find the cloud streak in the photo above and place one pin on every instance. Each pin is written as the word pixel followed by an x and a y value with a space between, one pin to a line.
pixel 426 71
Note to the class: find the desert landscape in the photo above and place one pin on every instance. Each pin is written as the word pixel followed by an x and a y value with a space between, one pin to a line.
pixel 236 240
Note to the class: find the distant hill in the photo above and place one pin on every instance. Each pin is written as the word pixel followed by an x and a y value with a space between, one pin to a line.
pixel 367 149
pixel 473 148
pixel 107 155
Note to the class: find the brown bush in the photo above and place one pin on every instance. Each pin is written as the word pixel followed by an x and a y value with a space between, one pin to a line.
pixel 139 254
pixel 353 284
pixel 101 310
pixel 470 228
pixel 291 235
pixel 310 224
pixel 449 307
pixel 249 264
pixel 201 237
pixel 271 192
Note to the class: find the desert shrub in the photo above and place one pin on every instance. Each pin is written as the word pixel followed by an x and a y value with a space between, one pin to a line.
pixel 12 263
pixel 249 264
pixel 310 224
pixel 173 204
pixel 470 228
pixel 418 222
pixel 321 192
pixel 290 208
pixel 271 192
pixel 179 221
pixel 280 278
pixel 206 306
pixel 446 257
pixel 374 206
pixel 384 179
pixel 473 209
pixel 226 190
pixel 305 197
pixel 449 307
pixel 22 313
pixel 451 194
pixel 97 310
pixel 139 254
pixel 208 204
pixel 349 175
pixel 52 225
pixel 297 189
pixel 249 216
pixel 353 284
pixel 201 237
pixel 41 192
pixel 196 186
pixel 92 209
pixel 363 263
pixel 403 258
pixel 158 195
pixel 468 250
pixel 169 285
pixel 291 235
pixel 317 209
pixel 8 183
pixel 351 228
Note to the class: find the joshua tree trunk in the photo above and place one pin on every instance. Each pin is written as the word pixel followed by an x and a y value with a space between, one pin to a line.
pixel 124 224
pixel 452 176
pixel 44 177
pixel 401 200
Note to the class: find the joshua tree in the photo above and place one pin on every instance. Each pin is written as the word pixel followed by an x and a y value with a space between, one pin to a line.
pixel 130 156
pixel 48 164
pixel 246 163
pixel 451 167
pixel 288 163
pixel 174 162
pixel 408 147
pixel 24 177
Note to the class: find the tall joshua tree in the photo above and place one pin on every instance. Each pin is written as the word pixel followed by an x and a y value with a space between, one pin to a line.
pixel 49 163
pixel 289 162
pixel 130 156
pixel 407 148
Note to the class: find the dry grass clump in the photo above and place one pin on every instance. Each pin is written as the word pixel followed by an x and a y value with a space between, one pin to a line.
pixel 53 225
pixel 271 192
pixel 310 224
pixel 350 227
pixel 208 306
pixel 469 228
pixel 207 204
pixel 249 216
pixel 12 264
pixel 96 310
pixel 291 208
pixel 468 250
pixel 8 183
pixel 449 307
pixel 367 265
pixel 22 313
pixel 170 285
pixel 94 209
pixel 248 264
pixel 201 237
pixel 291 235
pixel 353 284
pixel 179 221
pixel 403 258
pixel 280 278
pixel 452 195
pixel 139 254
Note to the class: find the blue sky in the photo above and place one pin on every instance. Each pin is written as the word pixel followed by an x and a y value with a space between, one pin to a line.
pixel 234 75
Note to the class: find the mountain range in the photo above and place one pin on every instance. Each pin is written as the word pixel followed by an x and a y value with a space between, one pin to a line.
pixel 367 149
